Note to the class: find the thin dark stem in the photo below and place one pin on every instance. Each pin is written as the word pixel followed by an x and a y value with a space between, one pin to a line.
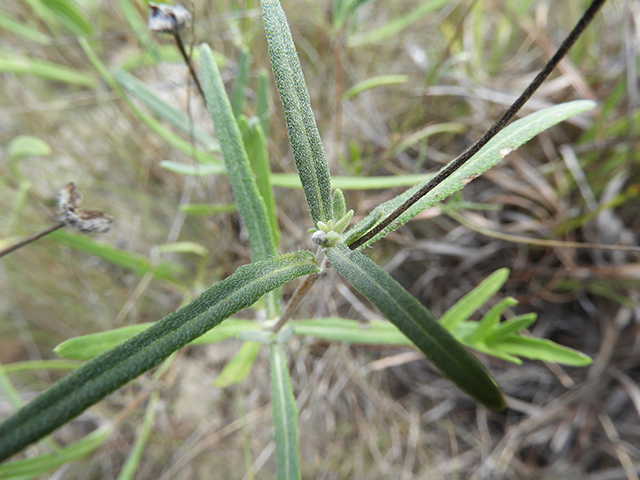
pixel 499 125
pixel 32 238
pixel 187 60
pixel 298 296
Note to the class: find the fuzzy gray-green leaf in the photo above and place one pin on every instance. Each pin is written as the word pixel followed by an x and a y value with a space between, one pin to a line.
pixel 502 144
pixel 98 378
pixel 415 321
pixel 248 200
pixel 301 125
pixel 285 415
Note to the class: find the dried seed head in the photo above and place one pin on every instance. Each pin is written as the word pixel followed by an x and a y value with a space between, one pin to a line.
pixel 86 221
pixel 167 18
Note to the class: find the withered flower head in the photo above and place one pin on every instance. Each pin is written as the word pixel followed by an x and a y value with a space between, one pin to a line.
pixel 167 18
pixel 86 221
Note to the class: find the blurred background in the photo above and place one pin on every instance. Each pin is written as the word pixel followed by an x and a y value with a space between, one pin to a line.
pixel 443 71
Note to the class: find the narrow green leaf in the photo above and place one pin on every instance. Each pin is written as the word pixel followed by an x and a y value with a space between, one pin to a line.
pixel 263 102
pixel 40 365
pixel 240 83
pixel 139 27
pixel 198 170
pixel 70 16
pixel 491 319
pixel 169 137
pixel 354 183
pixel 415 321
pixel 256 146
pixel 168 54
pixel 510 327
pixel 374 82
pixel 86 347
pixel 98 378
pixel 208 208
pixel 501 145
pixel 285 415
pixel 339 205
pixel 397 25
pixel 287 180
pixel 137 263
pixel 248 200
pixel 142 436
pixel 301 125
pixel 161 108
pixel 373 332
pixel 32 467
pixel 19 28
pixel 26 145
pixel 473 300
pixel 184 247
pixel 484 348
pixel 541 349
pixel 239 367
pixel 8 390
pixel 49 71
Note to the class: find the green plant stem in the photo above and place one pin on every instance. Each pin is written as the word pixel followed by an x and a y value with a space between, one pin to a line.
pixel 32 238
pixel 494 130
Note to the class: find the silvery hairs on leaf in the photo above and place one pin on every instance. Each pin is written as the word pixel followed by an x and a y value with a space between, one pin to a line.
pixel 167 18
pixel 85 221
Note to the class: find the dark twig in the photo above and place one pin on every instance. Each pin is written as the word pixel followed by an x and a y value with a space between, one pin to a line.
pixel 499 125
pixel 32 238
pixel 187 60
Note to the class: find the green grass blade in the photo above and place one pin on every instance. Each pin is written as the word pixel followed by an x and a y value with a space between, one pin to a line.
pixel 98 378
pixel 373 332
pixel 86 347
pixel 374 82
pixel 396 26
pixel 248 200
pixel 32 467
pixel 301 125
pixel 256 145
pixel 40 365
pixel 502 144
pixel 70 16
pixel 19 28
pixel 21 65
pixel 239 367
pixel 415 321
pixel 199 170
pixel 541 349
pixel 240 83
pixel 168 136
pixel 161 108
pixel 285 416
pixel 7 389
pixel 139 27
pixel 208 208
pixel 473 300
pixel 133 459
pixel 286 180
pixel 138 264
